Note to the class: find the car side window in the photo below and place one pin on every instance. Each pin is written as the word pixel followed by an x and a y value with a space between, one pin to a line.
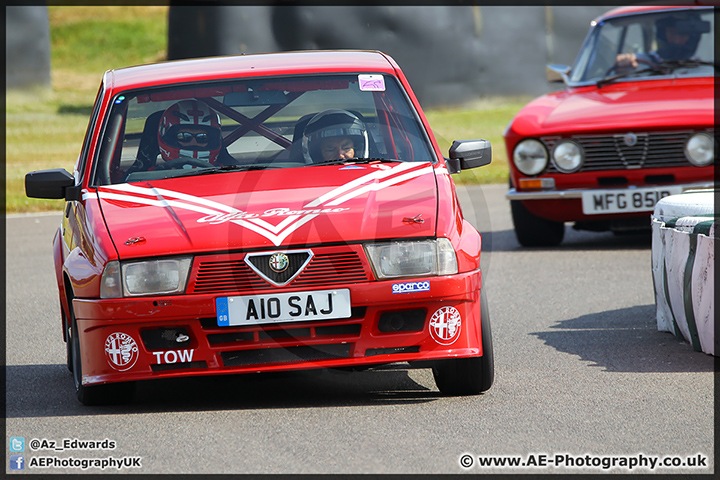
pixel 706 46
pixel 602 56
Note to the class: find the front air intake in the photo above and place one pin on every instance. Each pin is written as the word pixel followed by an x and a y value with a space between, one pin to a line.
pixel 402 321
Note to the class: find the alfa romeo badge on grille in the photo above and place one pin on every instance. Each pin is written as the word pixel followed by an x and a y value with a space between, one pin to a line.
pixel 630 139
pixel 279 262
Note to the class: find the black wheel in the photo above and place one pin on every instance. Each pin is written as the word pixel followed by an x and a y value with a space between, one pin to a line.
pixel 105 394
pixel 533 231
pixel 473 375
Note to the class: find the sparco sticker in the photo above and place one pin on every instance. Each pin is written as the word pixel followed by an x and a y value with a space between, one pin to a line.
pixel 445 325
pixel 409 287
pixel 121 351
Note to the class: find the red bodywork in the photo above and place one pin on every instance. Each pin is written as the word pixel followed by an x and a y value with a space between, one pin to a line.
pixel 217 219
pixel 641 106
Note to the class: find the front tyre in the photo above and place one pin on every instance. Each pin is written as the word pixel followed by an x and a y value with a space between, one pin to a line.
pixel 473 375
pixel 105 394
pixel 534 231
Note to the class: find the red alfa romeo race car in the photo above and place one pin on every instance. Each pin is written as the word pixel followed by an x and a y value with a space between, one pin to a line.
pixel 262 213
pixel 635 123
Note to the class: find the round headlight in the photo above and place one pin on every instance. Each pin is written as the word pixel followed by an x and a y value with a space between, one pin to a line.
pixel 567 156
pixel 530 157
pixel 700 149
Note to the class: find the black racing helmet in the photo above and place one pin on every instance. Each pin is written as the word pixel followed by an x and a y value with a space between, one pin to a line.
pixel 333 123
pixel 684 23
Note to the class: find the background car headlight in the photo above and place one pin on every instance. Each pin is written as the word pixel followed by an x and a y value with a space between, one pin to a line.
pixel 530 156
pixel 700 149
pixel 567 156
pixel 412 259
pixel 164 276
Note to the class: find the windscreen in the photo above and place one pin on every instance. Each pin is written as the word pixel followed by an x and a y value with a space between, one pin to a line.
pixel 669 42
pixel 283 122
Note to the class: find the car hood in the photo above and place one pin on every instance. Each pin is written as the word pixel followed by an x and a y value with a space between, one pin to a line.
pixel 270 208
pixel 641 105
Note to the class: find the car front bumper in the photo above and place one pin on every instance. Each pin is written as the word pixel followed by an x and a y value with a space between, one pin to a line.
pixel 158 337
pixel 575 194
pixel 567 205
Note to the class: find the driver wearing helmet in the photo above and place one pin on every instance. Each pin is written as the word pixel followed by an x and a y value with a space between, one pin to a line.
pixel 334 135
pixel 189 134
pixel 677 39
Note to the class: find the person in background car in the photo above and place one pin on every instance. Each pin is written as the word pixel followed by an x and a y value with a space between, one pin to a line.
pixel 677 39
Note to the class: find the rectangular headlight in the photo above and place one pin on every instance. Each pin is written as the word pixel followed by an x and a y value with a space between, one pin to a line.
pixel 412 259
pixel 164 276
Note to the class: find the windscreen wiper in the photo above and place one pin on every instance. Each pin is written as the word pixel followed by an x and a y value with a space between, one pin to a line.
pixel 671 65
pixel 225 168
pixel 665 66
pixel 354 161
pixel 600 83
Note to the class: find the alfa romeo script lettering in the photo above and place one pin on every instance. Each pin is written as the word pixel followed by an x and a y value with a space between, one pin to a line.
pixel 445 325
pixel 121 351
pixel 266 223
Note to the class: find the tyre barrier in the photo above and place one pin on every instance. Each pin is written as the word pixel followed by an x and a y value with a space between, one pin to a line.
pixel 683 259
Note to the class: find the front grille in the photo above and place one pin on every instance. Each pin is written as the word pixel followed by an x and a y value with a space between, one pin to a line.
pixel 278 268
pixel 330 266
pixel 260 334
pixel 610 152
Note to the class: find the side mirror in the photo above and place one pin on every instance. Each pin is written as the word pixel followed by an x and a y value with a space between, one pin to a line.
pixel 54 183
pixel 465 154
pixel 557 73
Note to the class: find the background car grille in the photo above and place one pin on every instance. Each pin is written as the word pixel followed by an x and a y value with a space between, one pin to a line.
pixel 609 152
pixel 229 273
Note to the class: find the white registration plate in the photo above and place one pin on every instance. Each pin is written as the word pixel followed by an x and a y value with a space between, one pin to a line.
pixel 282 307
pixel 621 201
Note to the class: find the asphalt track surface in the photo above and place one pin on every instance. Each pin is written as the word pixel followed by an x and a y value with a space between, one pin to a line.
pixel 581 374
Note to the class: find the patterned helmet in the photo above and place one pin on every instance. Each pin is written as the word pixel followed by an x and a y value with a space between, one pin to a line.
pixel 197 117
pixel 333 123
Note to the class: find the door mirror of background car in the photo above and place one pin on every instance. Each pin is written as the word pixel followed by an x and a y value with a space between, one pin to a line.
pixel 54 183
pixel 465 154
pixel 557 73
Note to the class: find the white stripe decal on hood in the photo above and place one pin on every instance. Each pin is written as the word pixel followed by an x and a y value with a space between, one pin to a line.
pixel 219 212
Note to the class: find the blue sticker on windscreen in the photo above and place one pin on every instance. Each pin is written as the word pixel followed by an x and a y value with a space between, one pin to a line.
pixel 221 306
pixel 410 287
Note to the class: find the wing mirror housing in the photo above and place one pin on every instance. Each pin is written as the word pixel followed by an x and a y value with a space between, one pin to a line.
pixel 466 154
pixel 55 183
pixel 557 73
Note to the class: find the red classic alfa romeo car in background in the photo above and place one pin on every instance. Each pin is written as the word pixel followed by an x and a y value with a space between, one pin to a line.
pixel 635 123
pixel 262 213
